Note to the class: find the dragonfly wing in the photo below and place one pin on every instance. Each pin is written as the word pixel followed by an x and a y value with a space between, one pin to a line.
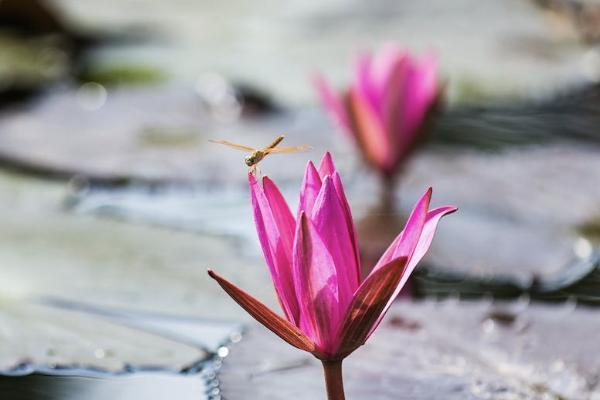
pixel 234 145
pixel 288 149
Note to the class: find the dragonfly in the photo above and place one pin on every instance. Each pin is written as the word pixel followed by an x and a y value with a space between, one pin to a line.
pixel 257 155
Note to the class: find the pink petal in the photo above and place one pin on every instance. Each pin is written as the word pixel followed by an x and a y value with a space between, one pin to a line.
pixel 326 166
pixel 429 77
pixel 333 103
pixel 433 218
pixel 393 100
pixel 283 218
pixel 311 185
pixel 370 131
pixel 367 305
pixel 386 62
pixel 420 90
pixel 281 212
pixel 282 328
pixel 329 219
pixel 273 233
pixel 364 84
pixel 316 286
pixel 339 188
pixel 405 243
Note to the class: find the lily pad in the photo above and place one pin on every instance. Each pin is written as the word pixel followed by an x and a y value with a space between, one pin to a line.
pixel 85 293
pixel 29 63
pixel 122 74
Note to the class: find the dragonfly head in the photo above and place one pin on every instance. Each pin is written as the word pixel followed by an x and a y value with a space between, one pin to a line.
pixel 251 159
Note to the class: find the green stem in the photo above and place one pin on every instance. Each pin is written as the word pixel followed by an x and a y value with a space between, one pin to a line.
pixel 334 380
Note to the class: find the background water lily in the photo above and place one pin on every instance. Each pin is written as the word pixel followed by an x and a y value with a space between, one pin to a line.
pixel 314 263
pixel 387 108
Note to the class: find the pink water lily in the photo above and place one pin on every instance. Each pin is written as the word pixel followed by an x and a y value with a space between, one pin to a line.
pixel 314 263
pixel 386 107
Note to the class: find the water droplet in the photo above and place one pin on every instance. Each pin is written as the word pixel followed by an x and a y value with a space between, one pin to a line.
pixel 91 96
pixel 488 326
pixel 223 352
pixel 582 248
pixel 99 353
pixel 235 337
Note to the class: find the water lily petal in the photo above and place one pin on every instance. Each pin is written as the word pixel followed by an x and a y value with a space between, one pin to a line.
pixel 311 185
pixel 433 217
pixel 333 103
pixel 368 305
pixel 385 63
pixel 431 222
pixel 393 102
pixel 329 219
pixel 286 226
pixel 405 243
pixel 339 188
pixel 364 85
pixel 316 285
pixel 370 131
pixel 282 215
pixel 420 91
pixel 326 166
pixel 263 314
pixel 273 233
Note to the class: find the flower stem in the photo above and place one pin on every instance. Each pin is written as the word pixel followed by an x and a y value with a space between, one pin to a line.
pixel 334 380
pixel 388 192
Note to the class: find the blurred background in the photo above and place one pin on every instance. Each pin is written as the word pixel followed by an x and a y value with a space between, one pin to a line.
pixel 113 203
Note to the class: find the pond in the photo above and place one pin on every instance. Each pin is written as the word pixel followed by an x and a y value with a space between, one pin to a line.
pixel 113 203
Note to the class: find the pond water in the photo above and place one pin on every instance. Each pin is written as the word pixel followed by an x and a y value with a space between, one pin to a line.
pixel 141 385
